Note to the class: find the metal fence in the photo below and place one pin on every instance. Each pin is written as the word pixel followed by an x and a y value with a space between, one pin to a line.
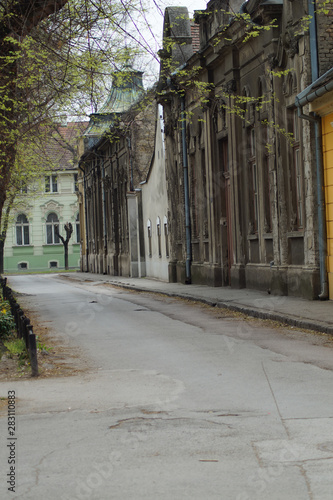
pixel 23 326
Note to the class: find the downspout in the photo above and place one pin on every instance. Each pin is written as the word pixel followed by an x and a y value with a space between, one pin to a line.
pixel 186 196
pixel 319 161
pixel 320 201
pixel 85 216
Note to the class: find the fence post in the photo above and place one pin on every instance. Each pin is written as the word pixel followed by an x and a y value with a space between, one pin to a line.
pixel 32 351
pixel 23 327
pixel 26 324
pixel 15 311
pixel 20 323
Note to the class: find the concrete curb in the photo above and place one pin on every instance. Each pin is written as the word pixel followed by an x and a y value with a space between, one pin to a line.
pixel 249 311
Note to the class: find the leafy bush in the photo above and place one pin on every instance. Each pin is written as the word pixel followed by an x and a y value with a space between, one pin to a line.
pixel 7 324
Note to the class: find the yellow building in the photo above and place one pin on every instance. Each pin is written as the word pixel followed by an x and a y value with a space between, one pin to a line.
pixel 327 134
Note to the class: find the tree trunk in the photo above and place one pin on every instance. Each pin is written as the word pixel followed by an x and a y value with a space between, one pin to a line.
pixel 66 254
pixel 2 245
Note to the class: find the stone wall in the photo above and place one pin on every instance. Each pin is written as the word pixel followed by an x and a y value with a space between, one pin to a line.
pixel 325 35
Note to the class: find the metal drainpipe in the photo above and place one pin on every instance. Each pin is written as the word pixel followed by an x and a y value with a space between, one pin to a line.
pixel 85 217
pixel 319 162
pixel 320 203
pixel 186 197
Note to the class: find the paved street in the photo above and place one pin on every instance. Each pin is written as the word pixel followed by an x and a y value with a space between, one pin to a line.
pixel 175 403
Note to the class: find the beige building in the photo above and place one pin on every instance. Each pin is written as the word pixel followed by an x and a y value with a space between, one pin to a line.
pixel 155 210
pixel 240 163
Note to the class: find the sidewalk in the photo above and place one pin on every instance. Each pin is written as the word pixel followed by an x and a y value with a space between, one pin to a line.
pixel 314 315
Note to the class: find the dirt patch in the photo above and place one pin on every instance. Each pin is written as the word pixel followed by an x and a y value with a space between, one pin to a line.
pixel 55 359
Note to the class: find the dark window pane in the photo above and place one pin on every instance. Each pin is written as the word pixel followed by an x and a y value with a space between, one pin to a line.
pixel 49 239
pixel 54 184
pixel 52 217
pixel 19 235
pixel 22 219
pixel 26 235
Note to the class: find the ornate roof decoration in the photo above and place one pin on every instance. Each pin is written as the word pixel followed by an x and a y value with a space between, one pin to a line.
pixel 127 88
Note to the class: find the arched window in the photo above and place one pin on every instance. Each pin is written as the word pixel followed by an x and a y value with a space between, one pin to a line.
pixel 22 230
pixel 77 226
pixel 51 221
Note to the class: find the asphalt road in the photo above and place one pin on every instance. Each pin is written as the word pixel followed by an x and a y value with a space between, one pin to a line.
pixel 175 404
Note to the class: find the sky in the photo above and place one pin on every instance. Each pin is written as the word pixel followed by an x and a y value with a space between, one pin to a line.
pixel 153 37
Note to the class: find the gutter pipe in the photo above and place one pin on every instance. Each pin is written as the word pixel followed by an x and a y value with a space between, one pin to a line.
pixel 302 99
pixel 316 89
pixel 186 197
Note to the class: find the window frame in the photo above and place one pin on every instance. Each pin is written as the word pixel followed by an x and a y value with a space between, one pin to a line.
pixel 253 180
pixel 76 186
pixel 158 232
pixel 51 184
pixel 166 236
pixel 51 224
pixel 77 229
pixel 149 233
pixel 297 218
pixel 24 229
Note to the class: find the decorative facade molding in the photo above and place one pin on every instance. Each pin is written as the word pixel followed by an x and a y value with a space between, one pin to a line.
pixel 51 206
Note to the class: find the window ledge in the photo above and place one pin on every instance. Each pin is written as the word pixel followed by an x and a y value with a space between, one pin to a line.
pixel 252 237
pixel 23 246
pixel 296 234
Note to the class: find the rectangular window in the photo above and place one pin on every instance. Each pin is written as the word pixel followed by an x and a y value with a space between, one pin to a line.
pixel 253 182
pixel 299 195
pixel 255 197
pixel 78 233
pixel 159 240
pixel 149 241
pixel 267 181
pixel 75 184
pixel 49 234
pixel 19 239
pixel 25 235
pixel 296 173
pixel 22 234
pixel 51 184
pixel 51 237
pixel 252 142
pixel 166 235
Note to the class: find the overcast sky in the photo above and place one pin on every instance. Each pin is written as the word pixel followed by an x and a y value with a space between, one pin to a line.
pixel 153 37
